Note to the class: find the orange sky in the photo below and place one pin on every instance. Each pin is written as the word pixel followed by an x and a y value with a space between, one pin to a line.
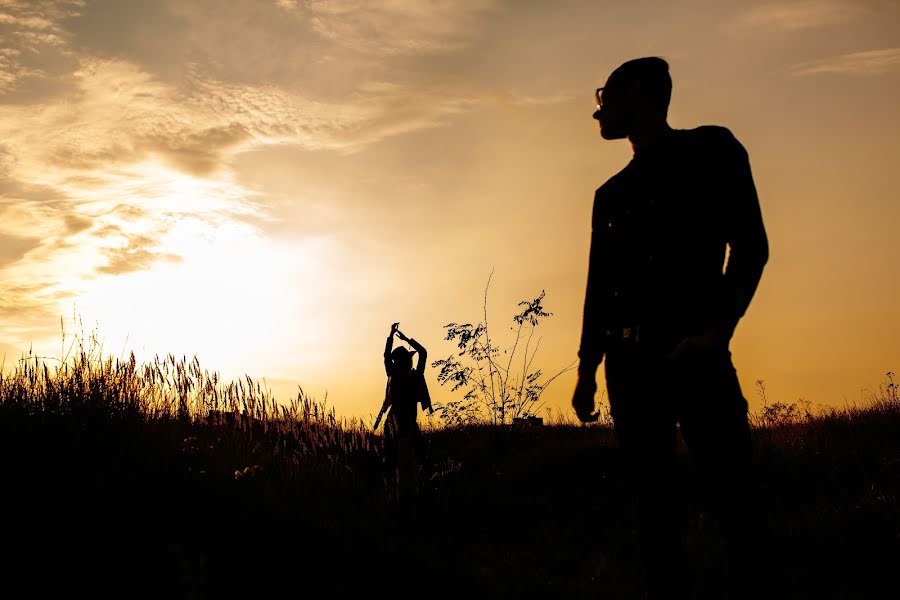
pixel 270 185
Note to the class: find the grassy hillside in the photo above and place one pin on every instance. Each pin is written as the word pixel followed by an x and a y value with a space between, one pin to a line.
pixel 158 480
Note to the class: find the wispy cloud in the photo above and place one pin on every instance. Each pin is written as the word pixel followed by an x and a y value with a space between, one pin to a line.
pixel 870 62
pixel 120 123
pixel 508 100
pixel 795 16
pixel 108 179
pixel 14 247
pixel 33 45
pixel 29 311
pixel 398 26
pixel 123 116
pixel 138 253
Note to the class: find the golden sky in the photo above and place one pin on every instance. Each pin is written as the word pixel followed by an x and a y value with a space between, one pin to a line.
pixel 269 185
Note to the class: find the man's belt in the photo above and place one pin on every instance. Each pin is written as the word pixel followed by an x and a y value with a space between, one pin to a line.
pixel 626 334
pixel 644 335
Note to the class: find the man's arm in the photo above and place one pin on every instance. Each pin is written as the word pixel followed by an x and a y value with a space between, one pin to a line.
pixel 747 242
pixel 746 237
pixel 590 351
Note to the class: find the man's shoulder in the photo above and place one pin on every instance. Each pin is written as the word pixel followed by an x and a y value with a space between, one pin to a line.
pixel 710 132
pixel 612 182
pixel 712 137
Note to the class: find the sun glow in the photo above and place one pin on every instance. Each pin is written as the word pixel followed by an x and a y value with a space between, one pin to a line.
pixel 204 281
pixel 233 289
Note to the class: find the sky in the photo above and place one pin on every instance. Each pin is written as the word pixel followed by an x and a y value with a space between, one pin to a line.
pixel 268 185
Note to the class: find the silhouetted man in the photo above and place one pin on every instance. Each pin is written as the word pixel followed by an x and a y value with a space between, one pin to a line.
pixel 661 306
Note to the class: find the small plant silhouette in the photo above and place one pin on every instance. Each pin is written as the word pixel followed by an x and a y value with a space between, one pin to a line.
pixel 500 383
pixel 775 413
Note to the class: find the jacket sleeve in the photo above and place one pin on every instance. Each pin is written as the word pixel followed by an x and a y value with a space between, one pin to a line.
pixel 422 394
pixel 591 350
pixel 744 232
pixel 423 355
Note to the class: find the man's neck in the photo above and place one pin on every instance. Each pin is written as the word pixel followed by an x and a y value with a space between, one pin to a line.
pixel 648 135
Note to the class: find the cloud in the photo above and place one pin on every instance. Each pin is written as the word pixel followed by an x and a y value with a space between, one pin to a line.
pixel 121 116
pixel 508 100
pixel 34 59
pixel 796 16
pixel 328 46
pixel 139 253
pixel 398 26
pixel 240 41
pixel 870 62
pixel 120 122
pixel 76 224
pixel 29 308
pixel 196 152
pixel 136 94
pixel 13 248
pixel 41 214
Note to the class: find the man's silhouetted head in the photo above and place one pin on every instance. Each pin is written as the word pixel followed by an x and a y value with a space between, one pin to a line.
pixel 636 93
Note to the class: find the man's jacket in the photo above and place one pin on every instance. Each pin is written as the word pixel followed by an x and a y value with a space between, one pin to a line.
pixel 661 230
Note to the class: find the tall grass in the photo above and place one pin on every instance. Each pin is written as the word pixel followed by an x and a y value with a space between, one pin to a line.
pixel 235 425
pixel 160 474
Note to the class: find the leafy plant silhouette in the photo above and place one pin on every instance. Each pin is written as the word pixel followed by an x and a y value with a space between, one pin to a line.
pixel 499 384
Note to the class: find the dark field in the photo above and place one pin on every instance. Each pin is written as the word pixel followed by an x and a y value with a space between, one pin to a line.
pixel 127 480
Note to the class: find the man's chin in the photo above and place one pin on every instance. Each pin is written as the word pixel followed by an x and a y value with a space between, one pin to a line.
pixel 611 133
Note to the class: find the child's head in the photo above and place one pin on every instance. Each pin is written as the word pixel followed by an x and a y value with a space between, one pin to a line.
pixel 402 359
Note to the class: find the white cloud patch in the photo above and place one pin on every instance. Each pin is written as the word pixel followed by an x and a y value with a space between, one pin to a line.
pixel 870 62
